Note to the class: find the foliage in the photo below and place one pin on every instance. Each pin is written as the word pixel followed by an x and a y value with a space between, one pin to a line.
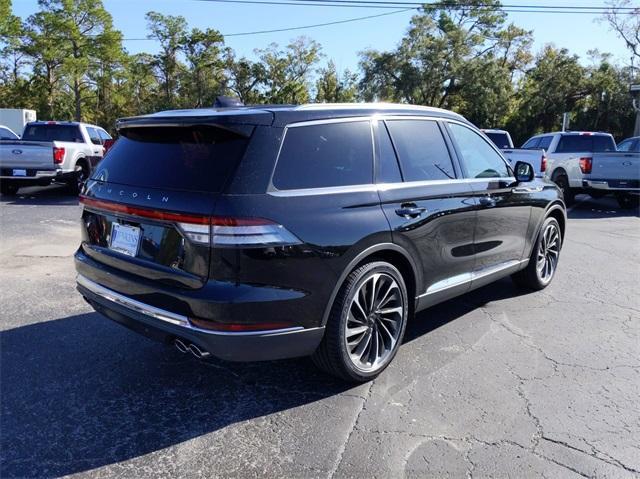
pixel 67 61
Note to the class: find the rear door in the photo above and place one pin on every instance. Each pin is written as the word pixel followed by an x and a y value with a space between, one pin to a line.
pixel 148 205
pixel 504 211
pixel 429 206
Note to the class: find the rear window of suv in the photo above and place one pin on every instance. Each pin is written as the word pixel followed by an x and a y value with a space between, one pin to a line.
pixel 324 155
pixel 199 158
pixel 53 132
pixel 588 143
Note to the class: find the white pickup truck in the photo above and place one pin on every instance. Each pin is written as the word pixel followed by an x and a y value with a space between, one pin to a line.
pixel 536 157
pixel 51 151
pixel 582 161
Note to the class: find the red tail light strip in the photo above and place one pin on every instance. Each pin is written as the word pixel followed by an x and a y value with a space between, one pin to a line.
pixel 175 217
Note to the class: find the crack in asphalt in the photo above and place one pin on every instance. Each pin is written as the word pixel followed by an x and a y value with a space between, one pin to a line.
pixel 353 427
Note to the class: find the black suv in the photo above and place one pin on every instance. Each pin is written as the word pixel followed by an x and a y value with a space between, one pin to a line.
pixel 257 233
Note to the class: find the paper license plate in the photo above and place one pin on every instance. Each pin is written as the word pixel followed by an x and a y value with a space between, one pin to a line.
pixel 125 239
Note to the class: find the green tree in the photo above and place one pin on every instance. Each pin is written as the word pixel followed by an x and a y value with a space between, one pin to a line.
pixel 205 74
pixel 288 72
pixel 334 88
pixel 554 85
pixel 443 40
pixel 245 78
pixel 170 32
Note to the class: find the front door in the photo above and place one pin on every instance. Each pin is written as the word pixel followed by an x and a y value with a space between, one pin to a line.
pixel 503 210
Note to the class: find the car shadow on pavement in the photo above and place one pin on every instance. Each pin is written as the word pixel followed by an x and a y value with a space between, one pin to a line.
pixel 587 208
pixel 41 196
pixel 81 392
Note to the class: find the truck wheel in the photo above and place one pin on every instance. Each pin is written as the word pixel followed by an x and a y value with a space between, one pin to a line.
pixel 543 261
pixel 366 323
pixel 77 180
pixel 563 183
pixel 627 201
pixel 8 189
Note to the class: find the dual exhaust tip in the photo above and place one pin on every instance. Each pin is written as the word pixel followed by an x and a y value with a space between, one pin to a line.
pixel 190 348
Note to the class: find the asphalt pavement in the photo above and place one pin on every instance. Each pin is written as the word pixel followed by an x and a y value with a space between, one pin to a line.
pixel 497 383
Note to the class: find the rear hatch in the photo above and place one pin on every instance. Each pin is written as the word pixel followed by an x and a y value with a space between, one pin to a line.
pixel 27 156
pixel 620 170
pixel 148 204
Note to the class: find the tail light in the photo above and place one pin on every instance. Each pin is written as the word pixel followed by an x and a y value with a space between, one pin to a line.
pixel 585 165
pixel 238 232
pixel 219 231
pixel 543 164
pixel 58 155
pixel 108 144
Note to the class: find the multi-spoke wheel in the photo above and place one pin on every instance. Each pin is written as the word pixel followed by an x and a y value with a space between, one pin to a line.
pixel 548 253
pixel 366 324
pixel 544 257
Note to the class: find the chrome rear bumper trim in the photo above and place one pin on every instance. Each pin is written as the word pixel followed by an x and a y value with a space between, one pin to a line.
pixel 168 316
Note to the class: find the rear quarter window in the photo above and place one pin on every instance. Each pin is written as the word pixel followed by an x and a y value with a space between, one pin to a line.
pixel 197 158
pixel 325 155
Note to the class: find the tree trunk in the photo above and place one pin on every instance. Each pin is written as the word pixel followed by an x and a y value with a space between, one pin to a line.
pixel 76 94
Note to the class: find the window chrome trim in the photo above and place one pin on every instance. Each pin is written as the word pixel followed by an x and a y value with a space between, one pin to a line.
pixel 372 187
pixel 465 278
pixel 164 315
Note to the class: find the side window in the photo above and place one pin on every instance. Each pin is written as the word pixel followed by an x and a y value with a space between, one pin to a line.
pixel 94 136
pixel 545 142
pixel 329 154
pixel 421 149
pixel 479 158
pixel 103 135
pixel 388 169
pixel 531 144
pixel 625 145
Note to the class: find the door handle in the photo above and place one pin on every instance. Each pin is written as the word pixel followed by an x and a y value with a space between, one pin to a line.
pixel 487 201
pixel 410 211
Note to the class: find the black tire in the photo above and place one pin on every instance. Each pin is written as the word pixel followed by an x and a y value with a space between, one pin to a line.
pixel 8 188
pixel 333 355
pixel 627 201
pixel 563 183
pixel 531 277
pixel 77 179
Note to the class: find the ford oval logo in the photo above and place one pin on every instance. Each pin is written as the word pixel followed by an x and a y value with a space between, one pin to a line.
pixel 626 163
pixel 17 152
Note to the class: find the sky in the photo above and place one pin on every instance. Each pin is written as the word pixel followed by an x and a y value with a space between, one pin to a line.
pixel 342 43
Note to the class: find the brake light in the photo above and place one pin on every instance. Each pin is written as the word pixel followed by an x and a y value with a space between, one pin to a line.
pixel 108 144
pixel 58 155
pixel 220 231
pixel 586 165
pixel 543 164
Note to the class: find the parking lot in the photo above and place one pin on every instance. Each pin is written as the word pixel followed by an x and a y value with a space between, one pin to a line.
pixel 495 383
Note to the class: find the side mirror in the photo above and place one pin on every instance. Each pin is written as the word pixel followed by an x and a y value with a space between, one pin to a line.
pixel 524 172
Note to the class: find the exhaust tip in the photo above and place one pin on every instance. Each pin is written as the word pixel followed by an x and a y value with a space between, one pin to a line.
pixel 180 346
pixel 198 353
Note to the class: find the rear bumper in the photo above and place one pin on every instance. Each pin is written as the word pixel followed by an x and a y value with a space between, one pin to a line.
pixel 165 326
pixel 612 185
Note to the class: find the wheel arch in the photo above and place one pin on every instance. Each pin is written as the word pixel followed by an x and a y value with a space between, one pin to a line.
pixel 557 211
pixel 389 252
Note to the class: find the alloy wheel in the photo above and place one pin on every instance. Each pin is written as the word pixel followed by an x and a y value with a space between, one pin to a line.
pixel 374 322
pixel 548 253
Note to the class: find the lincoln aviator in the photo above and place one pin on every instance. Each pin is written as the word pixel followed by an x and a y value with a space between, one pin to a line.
pixel 269 232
